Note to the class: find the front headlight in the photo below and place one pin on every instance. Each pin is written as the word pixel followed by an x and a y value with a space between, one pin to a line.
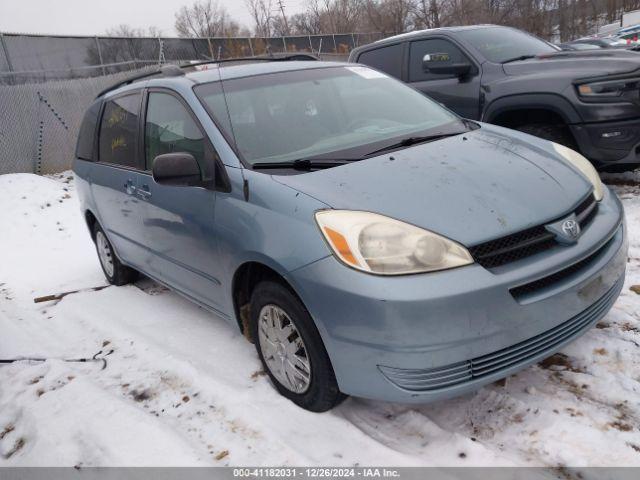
pixel 377 244
pixel 612 88
pixel 584 166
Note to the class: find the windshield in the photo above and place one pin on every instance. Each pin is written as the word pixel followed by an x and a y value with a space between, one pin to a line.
pixel 337 112
pixel 500 44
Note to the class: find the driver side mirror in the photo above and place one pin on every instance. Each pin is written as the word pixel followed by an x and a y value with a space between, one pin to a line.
pixel 440 64
pixel 176 169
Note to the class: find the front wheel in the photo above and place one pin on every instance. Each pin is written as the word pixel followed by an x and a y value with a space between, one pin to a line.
pixel 556 133
pixel 620 168
pixel 291 350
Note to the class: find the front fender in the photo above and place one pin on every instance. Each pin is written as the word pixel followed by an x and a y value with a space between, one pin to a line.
pixel 541 101
pixel 274 226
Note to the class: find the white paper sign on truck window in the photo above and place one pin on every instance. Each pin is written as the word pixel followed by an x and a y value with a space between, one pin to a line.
pixel 367 73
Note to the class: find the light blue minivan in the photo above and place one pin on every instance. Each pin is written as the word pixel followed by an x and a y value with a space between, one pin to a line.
pixel 367 240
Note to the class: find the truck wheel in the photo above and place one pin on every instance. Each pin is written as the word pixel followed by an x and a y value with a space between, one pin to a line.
pixel 555 133
pixel 621 168
pixel 291 350
pixel 114 270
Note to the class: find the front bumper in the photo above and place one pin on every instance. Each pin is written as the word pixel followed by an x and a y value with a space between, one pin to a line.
pixel 609 143
pixel 420 338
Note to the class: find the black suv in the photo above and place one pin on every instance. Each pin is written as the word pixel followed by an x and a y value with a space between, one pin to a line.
pixel 586 100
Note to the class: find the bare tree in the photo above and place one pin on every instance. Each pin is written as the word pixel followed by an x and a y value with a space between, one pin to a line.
pixel 340 16
pixel 124 30
pixel 155 32
pixel 280 28
pixel 121 47
pixel 261 12
pixel 550 19
pixel 205 18
pixel 389 16
pixel 426 13
pixel 305 24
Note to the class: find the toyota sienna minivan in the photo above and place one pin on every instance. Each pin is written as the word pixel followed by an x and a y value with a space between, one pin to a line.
pixel 367 240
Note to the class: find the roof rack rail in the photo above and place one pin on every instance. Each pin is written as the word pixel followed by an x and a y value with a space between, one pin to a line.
pixel 298 56
pixel 168 70
pixel 171 70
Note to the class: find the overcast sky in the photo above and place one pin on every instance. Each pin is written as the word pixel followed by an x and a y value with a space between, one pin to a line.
pixel 94 17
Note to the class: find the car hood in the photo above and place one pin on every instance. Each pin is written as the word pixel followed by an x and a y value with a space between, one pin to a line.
pixel 581 64
pixel 471 188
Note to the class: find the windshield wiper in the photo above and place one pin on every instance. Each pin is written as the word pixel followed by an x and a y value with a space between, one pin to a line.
pixel 407 142
pixel 302 164
pixel 521 57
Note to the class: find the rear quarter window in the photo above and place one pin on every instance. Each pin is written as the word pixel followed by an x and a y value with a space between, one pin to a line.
pixel 387 59
pixel 87 133
pixel 118 142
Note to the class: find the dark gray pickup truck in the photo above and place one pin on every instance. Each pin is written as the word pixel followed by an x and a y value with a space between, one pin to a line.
pixel 586 100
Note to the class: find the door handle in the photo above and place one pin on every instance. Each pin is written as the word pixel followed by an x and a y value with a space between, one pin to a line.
pixel 129 187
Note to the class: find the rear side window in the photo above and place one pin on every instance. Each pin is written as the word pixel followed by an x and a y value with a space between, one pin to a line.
pixel 170 128
pixel 387 59
pixel 86 136
pixel 119 131
pixel 436 45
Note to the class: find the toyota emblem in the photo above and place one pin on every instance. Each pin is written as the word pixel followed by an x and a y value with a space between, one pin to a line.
pixel 571 228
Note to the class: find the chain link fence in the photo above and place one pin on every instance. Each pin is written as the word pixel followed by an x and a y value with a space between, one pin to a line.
pixel 47 83
pixel 39 122
pixel 35 58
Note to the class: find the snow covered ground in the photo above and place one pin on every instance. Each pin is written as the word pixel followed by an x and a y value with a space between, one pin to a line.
pixel 183 388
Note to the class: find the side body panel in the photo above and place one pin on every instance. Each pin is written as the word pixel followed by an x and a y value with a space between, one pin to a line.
pixel 178 221
pixel 274 226
pixel 179 230
pixel 119 210
pixel 258 220
pixel 195 239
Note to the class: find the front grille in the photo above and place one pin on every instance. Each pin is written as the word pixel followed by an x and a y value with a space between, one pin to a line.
pixel 430 380
pixel 513 247
pixel 526 243
pixel 586 211
pixel 585 205
pixel 549 280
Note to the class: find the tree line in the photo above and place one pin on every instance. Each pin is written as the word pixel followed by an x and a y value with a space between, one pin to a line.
pixel 549 19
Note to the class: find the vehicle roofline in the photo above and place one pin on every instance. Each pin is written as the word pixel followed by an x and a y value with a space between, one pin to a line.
pixel 173 70
pixel 418 34
pixel 428 31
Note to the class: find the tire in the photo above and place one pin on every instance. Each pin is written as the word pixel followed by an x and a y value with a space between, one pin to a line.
pixel 114 270
pixel 561 135
pixel 620 168
pixel 270 300
pixel 556 133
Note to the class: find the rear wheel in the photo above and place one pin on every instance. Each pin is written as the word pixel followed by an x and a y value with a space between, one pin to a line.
pixel 291 350
pixel 114 270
